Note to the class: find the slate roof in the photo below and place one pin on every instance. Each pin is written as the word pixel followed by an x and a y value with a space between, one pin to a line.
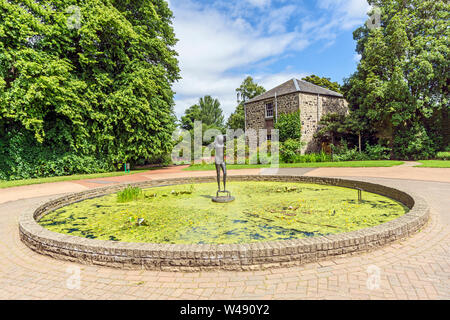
pixel 295 85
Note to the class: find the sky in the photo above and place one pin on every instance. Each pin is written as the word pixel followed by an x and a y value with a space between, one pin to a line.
pixel 221 42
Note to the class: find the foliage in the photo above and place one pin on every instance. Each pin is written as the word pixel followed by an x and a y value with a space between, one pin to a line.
pixel 289 126
pixel 331 127
pixel 289 150
pixel 372 152
pixel 22 157
pixel 343 153
pixel 323 82
pixel 444 155
pixel 237 118
pixel 311 158
pixel 247 90
pixel 87 99
pixel 377 152
pixel 401 85
pixel 208 111
pixel 129 194
pixel 414 144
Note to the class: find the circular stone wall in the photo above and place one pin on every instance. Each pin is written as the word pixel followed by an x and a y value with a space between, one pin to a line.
pixel 195 257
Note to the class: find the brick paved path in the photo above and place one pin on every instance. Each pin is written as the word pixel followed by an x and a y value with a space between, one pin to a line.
pixel 417 268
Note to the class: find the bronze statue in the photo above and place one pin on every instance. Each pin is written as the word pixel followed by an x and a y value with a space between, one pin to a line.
pixel 219 158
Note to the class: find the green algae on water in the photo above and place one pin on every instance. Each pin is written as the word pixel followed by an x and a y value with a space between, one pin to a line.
pixel 262 211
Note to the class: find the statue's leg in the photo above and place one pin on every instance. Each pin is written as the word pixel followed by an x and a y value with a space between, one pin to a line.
pixel 224 168
pixel 218 175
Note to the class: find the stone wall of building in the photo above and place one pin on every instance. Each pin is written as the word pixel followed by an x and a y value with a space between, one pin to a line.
pixel 309 115
pixel 312 108
pixel 287 103
pixel 256 111
pixel 255 114
pixel 333 105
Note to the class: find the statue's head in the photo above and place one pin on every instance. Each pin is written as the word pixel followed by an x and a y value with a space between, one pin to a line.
pixel 219 141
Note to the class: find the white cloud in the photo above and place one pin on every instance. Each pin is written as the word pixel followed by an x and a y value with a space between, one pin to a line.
pixel 219 39
pixel 346 14
pixel 270 81
pixel 211 44
pixel 259 3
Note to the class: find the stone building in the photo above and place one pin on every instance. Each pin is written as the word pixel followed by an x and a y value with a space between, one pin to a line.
pixel 311 100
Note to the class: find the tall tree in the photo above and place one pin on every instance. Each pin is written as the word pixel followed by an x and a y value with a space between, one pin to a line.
pixel 207 110
pixel 191 115
pixel 237 118
pixel 246 91
pixel 323 82
pixel 86 82
pixel 212 113
pixel 401 85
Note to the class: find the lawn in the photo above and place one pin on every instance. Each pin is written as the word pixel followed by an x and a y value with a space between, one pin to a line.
pixel 434 163
pixel 17 183
pixel 343 164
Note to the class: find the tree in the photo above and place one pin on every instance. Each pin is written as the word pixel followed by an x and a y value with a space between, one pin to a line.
pixel 331 127
pixel 323 82
pixel 191 115
pixel 237 118
pixel 208 111
pixel 249 89
pixel 87 97
pixel 335 127
pixel 401 84
pixel 246 91
pixel 211 112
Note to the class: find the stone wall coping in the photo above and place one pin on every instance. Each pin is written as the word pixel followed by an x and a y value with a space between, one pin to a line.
pixel 194 257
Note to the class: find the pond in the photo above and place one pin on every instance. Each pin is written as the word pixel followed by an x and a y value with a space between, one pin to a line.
pixel 262 211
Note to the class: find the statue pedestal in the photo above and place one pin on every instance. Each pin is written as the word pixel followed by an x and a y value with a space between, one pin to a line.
pixel 223 199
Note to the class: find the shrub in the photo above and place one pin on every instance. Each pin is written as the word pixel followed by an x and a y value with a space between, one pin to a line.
pixel 372 152
pixel 377 152
pixel 289 126
pixel 344 153
pixel 414 144
pixel 289 150
pixel 312 158
pixel 23 158
pixel 444 155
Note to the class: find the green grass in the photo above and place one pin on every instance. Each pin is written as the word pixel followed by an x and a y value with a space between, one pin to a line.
pixel 129 194
pixel 25 182
pixel 434 163
pixel 343 164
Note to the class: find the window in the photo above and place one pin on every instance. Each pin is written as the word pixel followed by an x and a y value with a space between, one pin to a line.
pixel 269 110
pixel 269 137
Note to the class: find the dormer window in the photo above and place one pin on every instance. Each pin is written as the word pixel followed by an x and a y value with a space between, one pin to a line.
pixel 269 110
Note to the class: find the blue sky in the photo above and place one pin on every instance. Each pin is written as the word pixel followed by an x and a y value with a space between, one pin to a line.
pixel 223 41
